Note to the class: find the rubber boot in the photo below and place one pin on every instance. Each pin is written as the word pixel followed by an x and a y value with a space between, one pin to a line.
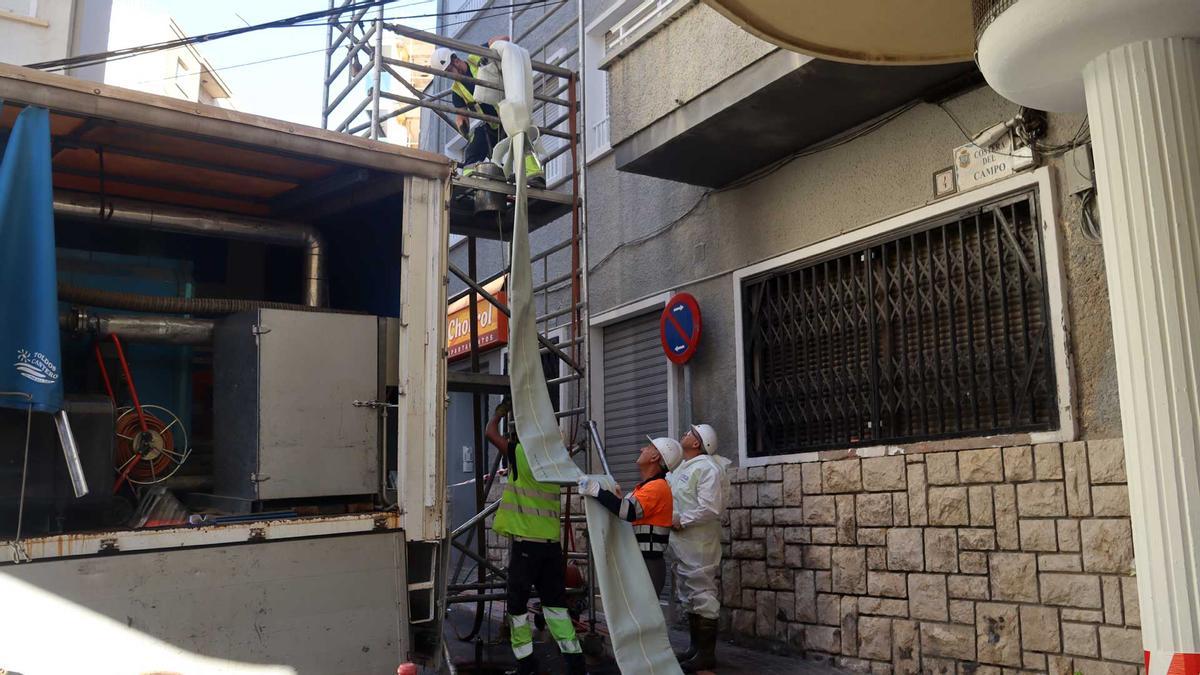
pixel 575 664
pixel 691 650
pixel 706 647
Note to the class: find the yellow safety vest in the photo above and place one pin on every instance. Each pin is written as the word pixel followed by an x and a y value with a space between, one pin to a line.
pixel 473 61
pixel 528 509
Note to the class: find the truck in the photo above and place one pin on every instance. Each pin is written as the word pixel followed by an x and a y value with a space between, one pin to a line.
pixel 253 339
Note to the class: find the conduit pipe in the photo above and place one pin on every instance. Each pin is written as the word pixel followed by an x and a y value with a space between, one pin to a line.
pixel 156 329
pixel 144 215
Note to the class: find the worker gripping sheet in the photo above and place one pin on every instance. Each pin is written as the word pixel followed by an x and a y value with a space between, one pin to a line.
pixel 635 620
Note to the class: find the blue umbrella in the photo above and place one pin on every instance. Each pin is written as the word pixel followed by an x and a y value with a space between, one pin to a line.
pixel 30 359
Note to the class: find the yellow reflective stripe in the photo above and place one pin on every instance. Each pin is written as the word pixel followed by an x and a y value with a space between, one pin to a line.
pixel 562 628
pixel 569 646
pixel 520 635
pixel 528 510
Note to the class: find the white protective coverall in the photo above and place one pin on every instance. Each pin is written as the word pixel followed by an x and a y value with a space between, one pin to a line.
pixel 696 488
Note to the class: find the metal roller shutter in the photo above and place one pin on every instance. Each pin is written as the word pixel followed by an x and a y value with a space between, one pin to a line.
pixel 635 392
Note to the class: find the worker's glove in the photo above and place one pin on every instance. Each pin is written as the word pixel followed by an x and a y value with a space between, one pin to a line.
pixel 589 486
pixel 504 408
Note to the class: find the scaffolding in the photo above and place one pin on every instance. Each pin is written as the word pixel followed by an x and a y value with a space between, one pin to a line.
pixel 364 88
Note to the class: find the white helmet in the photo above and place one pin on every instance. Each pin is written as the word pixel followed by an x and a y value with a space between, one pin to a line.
pixel 440 58
pixel 669 449
pixel 708 437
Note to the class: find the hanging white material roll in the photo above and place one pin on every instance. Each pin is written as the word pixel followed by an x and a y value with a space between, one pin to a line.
pixel 635 620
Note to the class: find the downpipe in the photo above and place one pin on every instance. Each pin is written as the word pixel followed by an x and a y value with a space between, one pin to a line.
pixel 160 218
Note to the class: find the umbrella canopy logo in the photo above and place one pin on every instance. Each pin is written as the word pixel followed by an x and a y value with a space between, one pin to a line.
pixel 35 366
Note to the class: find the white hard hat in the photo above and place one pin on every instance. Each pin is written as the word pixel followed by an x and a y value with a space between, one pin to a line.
pixel 440 58
pixel 670 450
pixel 708 437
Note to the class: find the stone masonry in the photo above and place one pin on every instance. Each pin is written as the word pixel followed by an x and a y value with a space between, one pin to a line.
pixel 973 562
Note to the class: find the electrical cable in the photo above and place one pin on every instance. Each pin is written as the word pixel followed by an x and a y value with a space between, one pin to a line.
pixel 1087 221
pixel 830 144
pixel 292 21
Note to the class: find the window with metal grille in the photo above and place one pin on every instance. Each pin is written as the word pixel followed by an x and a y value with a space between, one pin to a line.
pixel 941 332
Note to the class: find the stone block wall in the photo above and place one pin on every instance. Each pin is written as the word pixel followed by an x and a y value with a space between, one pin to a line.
pixel 977 561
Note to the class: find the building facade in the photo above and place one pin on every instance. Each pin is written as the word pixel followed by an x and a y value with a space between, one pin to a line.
pixel 906 347
pixel 37 31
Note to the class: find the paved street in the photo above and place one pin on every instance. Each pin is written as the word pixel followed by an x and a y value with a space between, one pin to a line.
pixel 734 660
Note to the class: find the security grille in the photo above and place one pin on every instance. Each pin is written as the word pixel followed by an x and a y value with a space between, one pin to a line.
pixel 635 392
pixel 938 333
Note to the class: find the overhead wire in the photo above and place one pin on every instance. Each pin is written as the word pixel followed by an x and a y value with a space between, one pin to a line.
pixel 770 169
pixel 220 69
pixel 300 20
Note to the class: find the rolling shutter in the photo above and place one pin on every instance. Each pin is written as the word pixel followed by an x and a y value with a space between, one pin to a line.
pixel 635 392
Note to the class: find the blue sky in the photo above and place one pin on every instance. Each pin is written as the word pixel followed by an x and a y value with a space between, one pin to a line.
pixel 289 88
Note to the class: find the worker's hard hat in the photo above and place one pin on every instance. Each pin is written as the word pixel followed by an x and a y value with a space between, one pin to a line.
pixel 440 58
pixel 707 436
pixel 669 449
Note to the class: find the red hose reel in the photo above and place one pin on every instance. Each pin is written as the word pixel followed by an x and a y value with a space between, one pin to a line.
pixel 147 449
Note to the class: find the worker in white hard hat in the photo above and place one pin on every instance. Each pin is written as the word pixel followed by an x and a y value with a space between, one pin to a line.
pixel 697 492
pixel 483 136
pixel 649 506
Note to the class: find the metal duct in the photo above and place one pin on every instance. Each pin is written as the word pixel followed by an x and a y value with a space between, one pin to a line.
pixel 156 329
pixel 144 215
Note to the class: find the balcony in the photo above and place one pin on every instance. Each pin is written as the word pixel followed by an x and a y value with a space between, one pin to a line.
pixel 778 105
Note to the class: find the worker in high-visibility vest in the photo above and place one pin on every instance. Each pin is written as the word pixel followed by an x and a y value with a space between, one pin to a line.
pixel 482 136
pixel 697 488
pixel 530 513
pixel 648 507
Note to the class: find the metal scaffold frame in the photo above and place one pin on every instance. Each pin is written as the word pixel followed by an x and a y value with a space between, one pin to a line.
pixel 360 33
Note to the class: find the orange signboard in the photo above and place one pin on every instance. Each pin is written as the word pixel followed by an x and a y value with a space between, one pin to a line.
pixel 493 325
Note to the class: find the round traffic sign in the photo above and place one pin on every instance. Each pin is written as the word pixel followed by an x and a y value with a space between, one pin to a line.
pixel 679 328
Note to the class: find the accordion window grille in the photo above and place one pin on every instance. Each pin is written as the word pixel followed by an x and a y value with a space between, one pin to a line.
pixel 940 332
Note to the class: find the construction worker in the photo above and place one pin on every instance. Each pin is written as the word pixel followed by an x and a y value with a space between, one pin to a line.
pixel 649 506
pixel 696 488
pixel 482 136
pixel 529 513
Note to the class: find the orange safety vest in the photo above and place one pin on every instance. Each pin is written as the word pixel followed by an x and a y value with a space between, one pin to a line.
pixel 653 529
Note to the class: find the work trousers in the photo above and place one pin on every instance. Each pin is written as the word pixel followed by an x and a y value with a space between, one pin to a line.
pixel 484 138
pixel 657 566
pixel 538 565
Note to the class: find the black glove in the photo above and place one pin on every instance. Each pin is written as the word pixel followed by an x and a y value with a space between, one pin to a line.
pixel 504 408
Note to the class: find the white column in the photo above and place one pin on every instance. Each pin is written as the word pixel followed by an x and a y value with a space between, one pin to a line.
pixel 1143 104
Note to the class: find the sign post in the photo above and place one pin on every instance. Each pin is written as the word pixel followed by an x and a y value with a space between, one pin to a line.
pixel 679 329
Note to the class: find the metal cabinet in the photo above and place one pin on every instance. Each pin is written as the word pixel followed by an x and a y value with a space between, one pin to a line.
pixel 285 423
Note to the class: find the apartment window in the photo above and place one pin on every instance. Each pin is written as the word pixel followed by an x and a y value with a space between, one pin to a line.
pixel 941 332
pixel 558 164
pixel 597 117
pixel 461 14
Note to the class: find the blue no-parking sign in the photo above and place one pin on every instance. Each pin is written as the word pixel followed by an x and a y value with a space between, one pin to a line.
pixel 679 328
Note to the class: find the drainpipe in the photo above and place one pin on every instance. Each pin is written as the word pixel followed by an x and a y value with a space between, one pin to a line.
pixel 144 215
pixel 156 329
